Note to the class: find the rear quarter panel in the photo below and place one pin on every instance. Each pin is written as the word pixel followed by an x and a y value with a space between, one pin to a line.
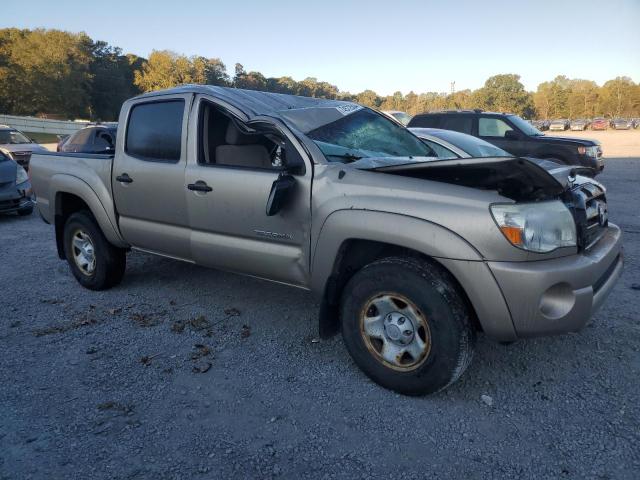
pixel 84 175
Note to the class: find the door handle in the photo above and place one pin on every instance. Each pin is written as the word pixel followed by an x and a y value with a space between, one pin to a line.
pixel 199 186
pixel 124 178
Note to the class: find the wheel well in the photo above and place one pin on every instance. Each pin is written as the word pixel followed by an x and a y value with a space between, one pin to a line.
pixel 352 256
pixel 66 204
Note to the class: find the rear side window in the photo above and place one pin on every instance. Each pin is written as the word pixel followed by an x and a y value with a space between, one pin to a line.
pixel 154 131
pixel 458 123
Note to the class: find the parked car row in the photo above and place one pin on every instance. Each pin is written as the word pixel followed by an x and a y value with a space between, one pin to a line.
pixel 580 124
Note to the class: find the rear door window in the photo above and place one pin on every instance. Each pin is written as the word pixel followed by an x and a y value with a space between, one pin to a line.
pixel 458 123
pixel 154 131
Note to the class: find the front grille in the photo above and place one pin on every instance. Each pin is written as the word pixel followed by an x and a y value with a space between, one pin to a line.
pixel 588 204
pixel 22 158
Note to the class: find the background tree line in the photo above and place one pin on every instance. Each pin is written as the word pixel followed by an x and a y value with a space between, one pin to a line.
pixel 73 76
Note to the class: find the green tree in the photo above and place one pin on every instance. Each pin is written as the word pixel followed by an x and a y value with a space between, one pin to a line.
pixel 368 98
pixel 394 102
pixel 617 97
pixel 166 69
pixel 209 71
pixel 505 93
pixel 112 80
pixel 582 99
pixel 45 71
pixel 282 85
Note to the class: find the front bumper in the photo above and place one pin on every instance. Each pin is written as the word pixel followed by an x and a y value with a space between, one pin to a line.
pixel 10 206
pixel 16 199
pixel 560 295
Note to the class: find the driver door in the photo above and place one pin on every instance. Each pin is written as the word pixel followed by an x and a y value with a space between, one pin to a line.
pixel 227 207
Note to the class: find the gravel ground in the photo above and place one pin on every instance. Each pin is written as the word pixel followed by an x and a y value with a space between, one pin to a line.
pixel 185 373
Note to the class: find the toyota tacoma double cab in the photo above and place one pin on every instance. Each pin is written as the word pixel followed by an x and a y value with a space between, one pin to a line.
pixel 409 255
pixel 517 136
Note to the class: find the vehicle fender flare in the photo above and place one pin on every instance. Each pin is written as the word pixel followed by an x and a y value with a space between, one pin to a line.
pixel 442 245
pixel 65 183
pixel 396 229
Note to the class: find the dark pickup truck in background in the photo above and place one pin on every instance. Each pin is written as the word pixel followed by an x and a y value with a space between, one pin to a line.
pixel 516 136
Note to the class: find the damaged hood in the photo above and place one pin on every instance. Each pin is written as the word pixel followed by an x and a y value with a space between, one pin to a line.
pixel 519 179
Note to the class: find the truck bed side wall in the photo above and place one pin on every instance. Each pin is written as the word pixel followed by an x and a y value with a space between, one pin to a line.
pixel 85 176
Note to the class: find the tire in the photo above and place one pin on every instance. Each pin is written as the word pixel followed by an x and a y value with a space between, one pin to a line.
pixel 108 265
pixel 23 212
pixel 426 293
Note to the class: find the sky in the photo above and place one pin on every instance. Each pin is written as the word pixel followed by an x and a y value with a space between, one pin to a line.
pixel 386 46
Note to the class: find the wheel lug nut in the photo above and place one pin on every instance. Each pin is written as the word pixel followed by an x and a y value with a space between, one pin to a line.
pixel 401 320
pixel 407 332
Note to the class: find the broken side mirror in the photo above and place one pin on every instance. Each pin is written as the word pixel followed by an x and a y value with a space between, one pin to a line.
pixel 280 192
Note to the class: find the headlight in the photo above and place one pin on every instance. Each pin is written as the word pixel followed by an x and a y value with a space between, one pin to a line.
pixel 588 151
pixel 21 176
pixel 537 227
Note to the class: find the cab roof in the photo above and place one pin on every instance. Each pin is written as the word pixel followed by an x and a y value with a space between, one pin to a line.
pixel 252 102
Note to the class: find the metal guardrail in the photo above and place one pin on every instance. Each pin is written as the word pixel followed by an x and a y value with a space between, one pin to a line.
pixel 42 125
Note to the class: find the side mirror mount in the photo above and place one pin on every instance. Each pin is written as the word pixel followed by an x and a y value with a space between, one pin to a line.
pixel 511 135
pixel 293 162
pixel 280 191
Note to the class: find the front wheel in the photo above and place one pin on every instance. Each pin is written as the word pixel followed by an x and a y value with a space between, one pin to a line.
pixel 94 262
pixel 407 326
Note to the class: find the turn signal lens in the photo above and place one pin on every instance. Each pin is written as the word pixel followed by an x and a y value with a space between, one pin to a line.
pixel 513 234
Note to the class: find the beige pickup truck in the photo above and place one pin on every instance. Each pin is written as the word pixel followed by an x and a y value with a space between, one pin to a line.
pixel 410 255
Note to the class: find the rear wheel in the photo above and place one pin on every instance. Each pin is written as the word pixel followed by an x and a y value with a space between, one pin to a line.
pixel 96 264
pixel 406 325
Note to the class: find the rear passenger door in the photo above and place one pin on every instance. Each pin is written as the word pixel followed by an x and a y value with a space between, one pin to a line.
pixel 148 175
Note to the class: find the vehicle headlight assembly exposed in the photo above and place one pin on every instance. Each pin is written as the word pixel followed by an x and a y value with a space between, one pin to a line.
pixel 537 227
pixel 588 151
pixel 21 176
